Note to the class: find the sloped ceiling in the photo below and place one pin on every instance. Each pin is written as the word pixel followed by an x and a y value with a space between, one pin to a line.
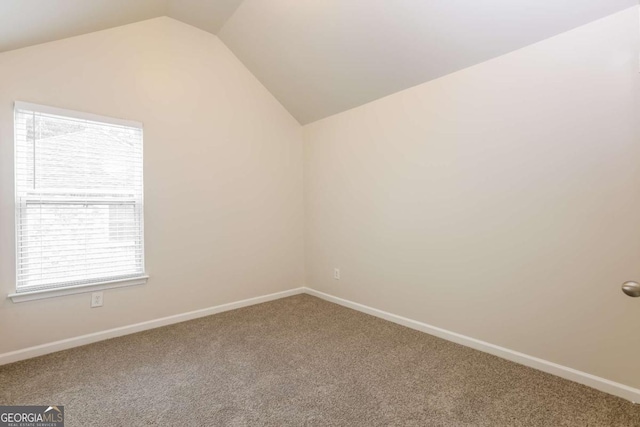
pixel 28 22
pixel 321 57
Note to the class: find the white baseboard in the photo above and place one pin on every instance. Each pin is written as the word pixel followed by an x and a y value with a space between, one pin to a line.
pixel 39 350
pixel 602 384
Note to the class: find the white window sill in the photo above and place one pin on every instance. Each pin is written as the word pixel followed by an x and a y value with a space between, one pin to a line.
pixel 78 289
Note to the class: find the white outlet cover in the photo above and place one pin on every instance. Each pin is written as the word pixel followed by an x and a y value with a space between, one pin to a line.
pixel 336 273
pixel 97 299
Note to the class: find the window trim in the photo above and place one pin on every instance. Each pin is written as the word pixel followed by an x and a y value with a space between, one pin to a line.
pixel 38 294
pixel 19 105
pixel 77 289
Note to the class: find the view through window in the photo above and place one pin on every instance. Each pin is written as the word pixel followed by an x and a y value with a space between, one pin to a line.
pixel 79 198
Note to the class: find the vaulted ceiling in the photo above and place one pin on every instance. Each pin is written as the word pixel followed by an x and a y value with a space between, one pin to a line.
pixel 28 22
pixel 321 57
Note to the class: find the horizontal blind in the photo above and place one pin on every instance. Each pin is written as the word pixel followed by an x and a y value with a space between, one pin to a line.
pixel 79 198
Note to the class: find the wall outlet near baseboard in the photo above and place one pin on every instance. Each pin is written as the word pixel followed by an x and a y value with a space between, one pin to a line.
pixel 336 273
pixel 96 299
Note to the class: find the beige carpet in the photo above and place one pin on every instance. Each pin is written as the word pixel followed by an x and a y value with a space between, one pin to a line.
pixel 300 361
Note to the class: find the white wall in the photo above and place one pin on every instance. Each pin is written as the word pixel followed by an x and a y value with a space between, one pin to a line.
pixel 501 202
pixel 223 173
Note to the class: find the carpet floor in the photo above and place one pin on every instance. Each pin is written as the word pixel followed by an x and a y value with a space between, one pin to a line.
pixel 299 361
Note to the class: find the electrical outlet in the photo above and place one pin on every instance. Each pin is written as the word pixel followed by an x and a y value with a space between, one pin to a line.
pixel 96 299
pixel 336 273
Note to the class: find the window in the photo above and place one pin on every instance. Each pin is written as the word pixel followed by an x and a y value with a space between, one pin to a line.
pixel 79 200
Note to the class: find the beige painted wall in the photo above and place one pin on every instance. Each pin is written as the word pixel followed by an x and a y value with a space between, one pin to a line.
pixel 223 173
pixel 501 202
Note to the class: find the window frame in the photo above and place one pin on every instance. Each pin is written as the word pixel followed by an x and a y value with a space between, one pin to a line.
pixel 98 284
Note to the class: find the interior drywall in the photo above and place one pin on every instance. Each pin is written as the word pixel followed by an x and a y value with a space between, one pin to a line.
pixel 500 202
pixel 29 22
pixel 322 57
pixel 222 173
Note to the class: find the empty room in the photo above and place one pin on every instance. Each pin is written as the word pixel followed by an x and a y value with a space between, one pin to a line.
pixel 319 213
